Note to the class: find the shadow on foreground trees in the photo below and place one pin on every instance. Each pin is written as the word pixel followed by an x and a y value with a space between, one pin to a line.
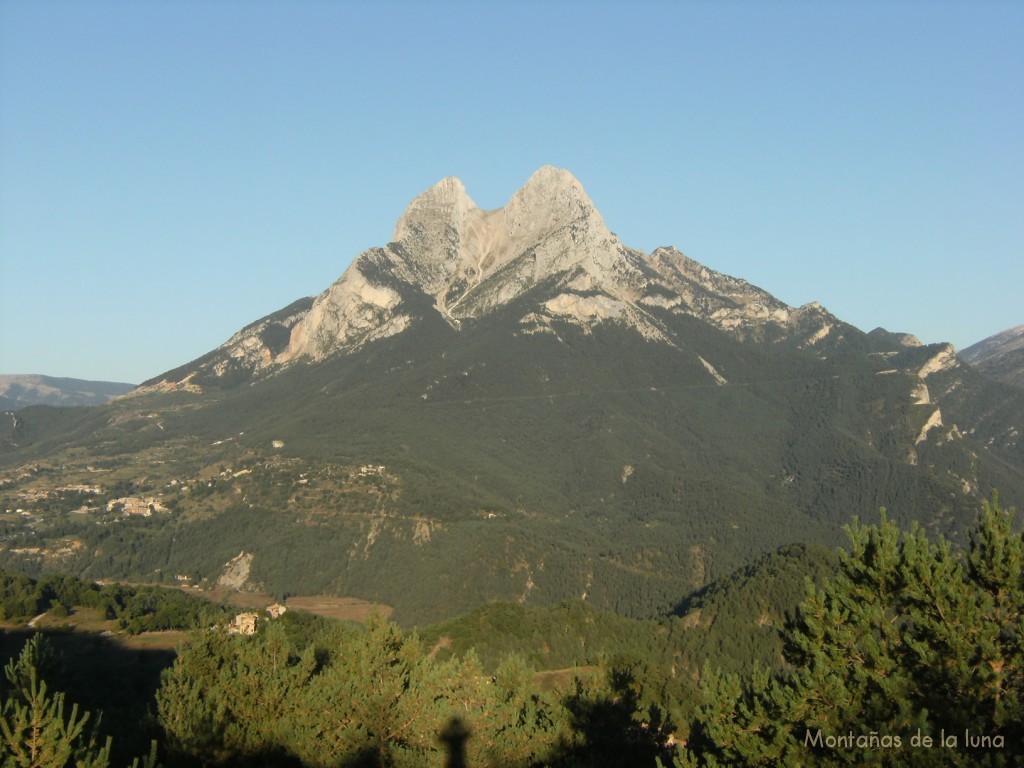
pixel 373 698
pixel 453 738
pixel 605 732
pixel 117 685
pixel 604 735
pixel 37 730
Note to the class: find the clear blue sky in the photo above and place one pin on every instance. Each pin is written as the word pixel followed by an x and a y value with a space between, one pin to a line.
pixel 171 171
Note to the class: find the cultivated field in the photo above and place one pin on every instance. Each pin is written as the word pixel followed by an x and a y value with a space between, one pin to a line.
pixel 343 608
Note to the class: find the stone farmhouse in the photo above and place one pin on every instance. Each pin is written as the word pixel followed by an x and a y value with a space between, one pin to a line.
pixel 244 624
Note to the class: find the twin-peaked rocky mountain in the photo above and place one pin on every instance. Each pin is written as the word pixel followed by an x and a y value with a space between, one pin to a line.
pixel 547 250
pixel 514 404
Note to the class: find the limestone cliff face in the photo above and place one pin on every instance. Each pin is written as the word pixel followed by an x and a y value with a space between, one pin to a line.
pixel 470 261
pixel 347 315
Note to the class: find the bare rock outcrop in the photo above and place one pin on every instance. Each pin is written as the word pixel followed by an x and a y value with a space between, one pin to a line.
pixel 470 261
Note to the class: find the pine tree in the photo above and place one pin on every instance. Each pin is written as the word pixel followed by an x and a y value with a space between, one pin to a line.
pixel 34 731
pixel 911 639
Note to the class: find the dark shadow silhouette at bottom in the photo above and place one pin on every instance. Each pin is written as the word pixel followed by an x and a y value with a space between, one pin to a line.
pixel 607 733
pixel 454 737
pixel 115 683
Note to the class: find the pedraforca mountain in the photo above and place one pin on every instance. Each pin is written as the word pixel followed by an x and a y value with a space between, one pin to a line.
pixel 548 243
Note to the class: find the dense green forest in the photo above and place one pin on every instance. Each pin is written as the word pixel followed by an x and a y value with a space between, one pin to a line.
pixel 907 650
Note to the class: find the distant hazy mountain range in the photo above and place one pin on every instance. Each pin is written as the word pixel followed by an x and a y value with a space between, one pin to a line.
pixel 512 404
pixel 18 391
pixel 1000 356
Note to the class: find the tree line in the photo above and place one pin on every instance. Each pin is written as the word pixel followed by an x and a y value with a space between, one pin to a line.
pixel 136 609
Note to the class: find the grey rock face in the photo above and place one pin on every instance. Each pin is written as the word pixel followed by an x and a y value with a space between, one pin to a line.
pixel 471 261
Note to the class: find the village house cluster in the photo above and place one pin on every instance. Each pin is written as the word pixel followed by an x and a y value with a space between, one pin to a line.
pixel 135 506
pixel 246 623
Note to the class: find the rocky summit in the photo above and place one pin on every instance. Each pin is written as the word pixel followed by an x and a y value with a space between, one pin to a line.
pixel 470 262
pixel 510 404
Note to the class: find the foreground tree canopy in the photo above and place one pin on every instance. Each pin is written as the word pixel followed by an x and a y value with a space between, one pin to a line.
pixel 376 698
pixel 912 656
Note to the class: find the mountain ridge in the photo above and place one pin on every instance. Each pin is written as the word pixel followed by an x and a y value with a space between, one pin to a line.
pixel 1000 356
pixel 22 390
